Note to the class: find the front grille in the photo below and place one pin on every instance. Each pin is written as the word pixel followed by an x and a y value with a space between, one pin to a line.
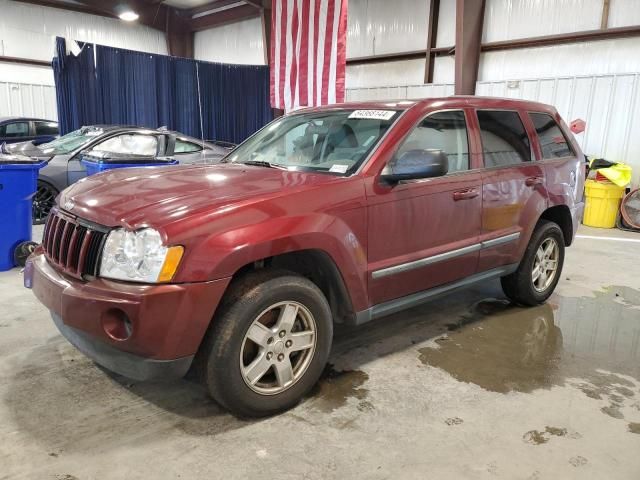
pixel 72 244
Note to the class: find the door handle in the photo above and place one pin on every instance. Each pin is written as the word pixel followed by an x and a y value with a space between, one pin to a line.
pixel 532 181
pixel 465 194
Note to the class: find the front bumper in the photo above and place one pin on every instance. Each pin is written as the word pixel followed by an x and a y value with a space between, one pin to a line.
pixel 166 322
pixel 127 364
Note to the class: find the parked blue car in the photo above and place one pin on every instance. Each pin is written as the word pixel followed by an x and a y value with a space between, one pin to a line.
pixel 21 129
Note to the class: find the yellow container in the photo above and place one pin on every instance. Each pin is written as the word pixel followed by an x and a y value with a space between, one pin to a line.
pixel 602 203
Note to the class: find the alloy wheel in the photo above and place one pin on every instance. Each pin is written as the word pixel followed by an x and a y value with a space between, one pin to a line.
pixel 545 264
pixel 278 347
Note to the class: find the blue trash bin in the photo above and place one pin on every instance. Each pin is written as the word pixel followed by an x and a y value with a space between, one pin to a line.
pixel 18 185
pixel 99 162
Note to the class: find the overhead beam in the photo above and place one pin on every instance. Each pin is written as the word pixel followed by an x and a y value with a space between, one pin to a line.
pixel 255 3
pixel 224 17
pixel 432 34
pixel 469 23
pixel 24 61
pixel 216 4
pixel 574 37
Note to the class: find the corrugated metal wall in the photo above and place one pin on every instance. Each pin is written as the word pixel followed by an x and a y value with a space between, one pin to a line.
pixel 28 100
pixel 28 31
pixel 239 42
pixel 399 92
pixel 610 104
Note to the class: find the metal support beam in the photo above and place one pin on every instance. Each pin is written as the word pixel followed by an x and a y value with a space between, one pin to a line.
pixel 265 17
pixel 469 23
pixel 604 23
pixel 178 34
pixel 432 34
pixel 574 37
pixel 25 61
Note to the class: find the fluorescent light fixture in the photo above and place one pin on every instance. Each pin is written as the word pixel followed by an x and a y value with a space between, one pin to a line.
pixel 129 16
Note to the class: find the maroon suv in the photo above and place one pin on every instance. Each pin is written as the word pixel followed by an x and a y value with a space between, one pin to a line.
pixel 340 214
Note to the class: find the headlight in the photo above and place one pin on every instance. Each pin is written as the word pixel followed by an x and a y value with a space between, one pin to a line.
pixel 139 256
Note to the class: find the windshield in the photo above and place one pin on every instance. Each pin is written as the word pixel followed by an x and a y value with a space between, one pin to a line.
pixel 336 142
pixel 71 141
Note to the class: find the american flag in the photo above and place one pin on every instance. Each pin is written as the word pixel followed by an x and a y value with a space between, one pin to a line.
pixel 308 52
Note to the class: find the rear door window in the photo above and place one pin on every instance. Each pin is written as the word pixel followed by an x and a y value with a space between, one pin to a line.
pixel 504 139
pixel 444 131
pixel 552 141
pixel 14 130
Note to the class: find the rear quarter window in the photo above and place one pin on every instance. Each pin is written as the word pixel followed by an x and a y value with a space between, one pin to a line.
pixel 182 146
pixel 553 143
pixel 46 128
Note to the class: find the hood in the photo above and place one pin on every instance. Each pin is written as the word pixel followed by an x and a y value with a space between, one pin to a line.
pixel 28 149
pixel 156 196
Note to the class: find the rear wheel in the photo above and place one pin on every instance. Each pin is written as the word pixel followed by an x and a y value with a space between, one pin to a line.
pixel 43 202
pixel 268 344
pixel 539 271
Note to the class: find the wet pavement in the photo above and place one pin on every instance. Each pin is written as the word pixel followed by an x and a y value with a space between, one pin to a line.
pixel 469 386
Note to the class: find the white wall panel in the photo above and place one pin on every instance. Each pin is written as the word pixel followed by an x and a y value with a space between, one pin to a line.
pixel 446 24
pixel 376 27
pixel 28 31
pixel 623 13
pixel 587 58
pixel 13 72
pixel 610 104
pixel 400 72
pixel 444 69
pixel 22 99
pixel 239 42
pixel 509 19
pixel 399 92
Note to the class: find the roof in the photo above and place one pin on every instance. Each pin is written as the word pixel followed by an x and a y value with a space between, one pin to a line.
pixel 455 101
pixel 12 119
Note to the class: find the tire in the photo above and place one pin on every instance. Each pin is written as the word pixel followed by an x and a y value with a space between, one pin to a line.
pixel 227 356
pixel 22 252
pixel 43 202
pixel 520 286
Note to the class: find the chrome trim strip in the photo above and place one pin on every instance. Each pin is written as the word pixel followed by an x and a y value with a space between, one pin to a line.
pixel 404 267
pixel 423 262
pixel 494 242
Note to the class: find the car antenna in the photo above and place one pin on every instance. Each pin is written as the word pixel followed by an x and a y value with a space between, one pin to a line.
pixel 200 110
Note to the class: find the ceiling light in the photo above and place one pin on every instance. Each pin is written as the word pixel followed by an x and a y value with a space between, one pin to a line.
pixel 128 16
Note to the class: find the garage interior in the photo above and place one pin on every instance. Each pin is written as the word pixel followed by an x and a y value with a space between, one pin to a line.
pixel 469 385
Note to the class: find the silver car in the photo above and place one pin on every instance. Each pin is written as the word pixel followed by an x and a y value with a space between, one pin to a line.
pixel 64 153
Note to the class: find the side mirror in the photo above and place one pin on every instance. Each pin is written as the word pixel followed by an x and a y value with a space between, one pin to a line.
pixel 416 164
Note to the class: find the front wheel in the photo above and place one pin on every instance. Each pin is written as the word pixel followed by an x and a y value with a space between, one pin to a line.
pixel 268 344
pixel 540 268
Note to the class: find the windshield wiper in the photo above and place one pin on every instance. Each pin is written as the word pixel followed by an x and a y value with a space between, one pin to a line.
pixel 263 163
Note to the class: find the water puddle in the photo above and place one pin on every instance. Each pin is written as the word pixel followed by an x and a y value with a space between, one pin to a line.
pixel 336 387
pixel 504 348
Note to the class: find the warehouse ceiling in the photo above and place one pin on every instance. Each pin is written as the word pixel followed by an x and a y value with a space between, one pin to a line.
pixel 177 15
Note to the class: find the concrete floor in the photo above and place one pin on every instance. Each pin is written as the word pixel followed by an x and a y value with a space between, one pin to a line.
pixel 466 387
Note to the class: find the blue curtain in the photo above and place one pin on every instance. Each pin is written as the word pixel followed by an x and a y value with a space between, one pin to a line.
pixel 116 86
